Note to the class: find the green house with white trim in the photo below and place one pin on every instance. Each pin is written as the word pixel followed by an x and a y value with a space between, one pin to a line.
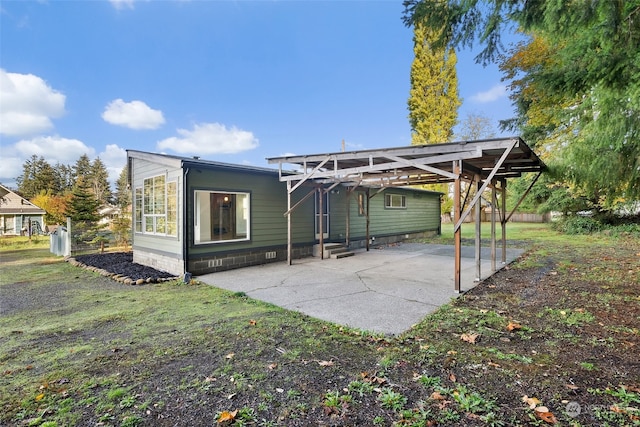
pixel 200 216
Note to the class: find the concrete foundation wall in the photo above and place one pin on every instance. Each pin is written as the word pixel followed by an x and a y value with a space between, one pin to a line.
pixel 159 262
pixel 212 263
pixel 386 240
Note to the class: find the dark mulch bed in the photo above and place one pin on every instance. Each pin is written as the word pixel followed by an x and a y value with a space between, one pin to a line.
pixel 122 263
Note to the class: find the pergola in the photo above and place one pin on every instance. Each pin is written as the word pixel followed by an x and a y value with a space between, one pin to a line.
pixel 486 163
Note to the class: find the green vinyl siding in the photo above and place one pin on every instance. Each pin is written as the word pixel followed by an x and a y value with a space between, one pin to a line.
pixel 268 202
pixel 421 213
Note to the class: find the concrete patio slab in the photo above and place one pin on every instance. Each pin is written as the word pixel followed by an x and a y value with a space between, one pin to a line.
pixel 385 290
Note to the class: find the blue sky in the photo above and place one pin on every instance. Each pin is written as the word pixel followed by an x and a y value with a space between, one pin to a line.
pixel 229 81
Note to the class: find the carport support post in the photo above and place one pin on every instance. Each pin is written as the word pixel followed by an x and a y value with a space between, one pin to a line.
pixel 478 229
pixel 456 217
pixel 493 226
pixel 503 186
pixel 289 222
pixel 368 203
pixel 321 220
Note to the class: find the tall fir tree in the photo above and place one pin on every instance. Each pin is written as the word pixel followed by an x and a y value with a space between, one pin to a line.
pixel 83 205
pixel 99 179
pixel 433 99
pixel 123 194
pixel 37 176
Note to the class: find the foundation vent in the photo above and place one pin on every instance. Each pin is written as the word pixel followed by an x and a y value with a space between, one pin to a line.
pixel 215 263
pixel 270 255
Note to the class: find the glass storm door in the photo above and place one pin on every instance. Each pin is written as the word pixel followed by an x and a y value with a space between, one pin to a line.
pixel 322 216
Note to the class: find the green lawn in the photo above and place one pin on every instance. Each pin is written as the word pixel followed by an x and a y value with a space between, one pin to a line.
pixel 561 325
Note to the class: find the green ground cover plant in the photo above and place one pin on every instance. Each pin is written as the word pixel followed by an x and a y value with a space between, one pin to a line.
pixel 551 339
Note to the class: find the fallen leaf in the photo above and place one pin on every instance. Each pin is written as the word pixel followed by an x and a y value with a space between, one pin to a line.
pixel 452 378
pixel 272 366
pixel 227 416
pixel 436 396
pixel 571 386
pixel 252 322
pixel 230 356
pixel 470 338
pixel 325 363
pixel 543 413
pixel 40 396
pixel 495 365
pixel 531 401
pixel 513 326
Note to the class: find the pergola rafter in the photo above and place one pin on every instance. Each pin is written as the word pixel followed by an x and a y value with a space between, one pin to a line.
pixel 485 162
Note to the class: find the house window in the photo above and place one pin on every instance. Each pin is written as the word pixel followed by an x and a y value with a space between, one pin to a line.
pixel 156 207
pixel 138 209
pixel 361 205
pixel 221 216
pixel 395 201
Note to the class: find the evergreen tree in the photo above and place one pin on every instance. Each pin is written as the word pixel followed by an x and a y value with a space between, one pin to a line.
pixel 579 96
pixel 65 177
pixel 83 205
pixel 82 168
pixel 123 193
pixel 121 225
pixel 99 178
pixel 37 176
pixel 433 101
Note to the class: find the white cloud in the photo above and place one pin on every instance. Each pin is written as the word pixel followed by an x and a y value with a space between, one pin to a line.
pixel 114 158
pixel 496 92
pixel 54 149
pixel 11 169
pixel 210 138
pixel 134 115
pixel 122 4
pixel 28 104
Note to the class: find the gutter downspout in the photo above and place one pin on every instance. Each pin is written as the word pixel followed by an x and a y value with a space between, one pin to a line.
pixel 185 242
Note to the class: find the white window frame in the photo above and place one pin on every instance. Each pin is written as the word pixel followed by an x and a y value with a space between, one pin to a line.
pixel 203 226
pixel 156 207
pixel 395 201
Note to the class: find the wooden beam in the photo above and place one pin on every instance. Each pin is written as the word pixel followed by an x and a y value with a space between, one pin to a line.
pixel 418 165
pixel 289 245
pixel 524 195
pixel 486 183
pixel 305 176
pixel 457 168
pixel 478 231
pixel 503 184
pixel 494 203
pixel 377 167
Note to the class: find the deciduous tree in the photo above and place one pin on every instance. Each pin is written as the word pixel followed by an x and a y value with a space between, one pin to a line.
pixel 577 83
pixel 433 100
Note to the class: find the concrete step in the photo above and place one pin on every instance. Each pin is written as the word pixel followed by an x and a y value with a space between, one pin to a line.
pixel 342 255
pixel 332 250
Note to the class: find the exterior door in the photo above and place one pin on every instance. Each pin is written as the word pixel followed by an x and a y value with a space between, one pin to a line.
pixel 322 216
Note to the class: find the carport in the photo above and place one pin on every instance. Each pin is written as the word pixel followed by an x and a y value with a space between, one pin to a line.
pixel 483 164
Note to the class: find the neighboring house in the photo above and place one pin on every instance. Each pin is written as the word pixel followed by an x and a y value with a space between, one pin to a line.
pixel 18 216
pixel 108 213
pixel 199 216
